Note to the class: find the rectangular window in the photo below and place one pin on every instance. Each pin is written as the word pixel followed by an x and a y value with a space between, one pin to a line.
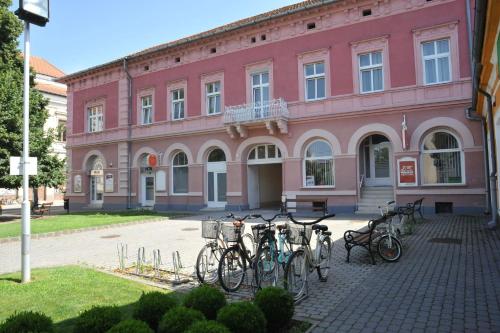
pixel 178 104
pixel 213 98
pixel 370 72
pixel 436 61
pixel 147 109
pixel 260 94
pixel 315 81
pixel 95 119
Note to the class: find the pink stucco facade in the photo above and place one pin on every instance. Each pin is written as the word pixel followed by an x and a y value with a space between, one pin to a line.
pixel 343 119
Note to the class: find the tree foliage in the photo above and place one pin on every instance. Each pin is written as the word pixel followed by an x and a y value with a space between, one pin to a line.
pixel 51 170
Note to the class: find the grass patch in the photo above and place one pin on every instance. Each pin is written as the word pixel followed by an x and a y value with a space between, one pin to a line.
pixel 63 292
pixel 78 221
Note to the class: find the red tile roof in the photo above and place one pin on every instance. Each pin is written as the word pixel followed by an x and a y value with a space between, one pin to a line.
pixel 42 66
pixel 51 89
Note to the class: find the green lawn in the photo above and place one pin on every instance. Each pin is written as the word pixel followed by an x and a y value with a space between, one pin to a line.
pixel 77 221
pixel 62 293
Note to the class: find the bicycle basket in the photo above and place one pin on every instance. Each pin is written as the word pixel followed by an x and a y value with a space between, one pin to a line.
pixel 209 229
pixel 257 234
pixel 230 232
pixel 296 234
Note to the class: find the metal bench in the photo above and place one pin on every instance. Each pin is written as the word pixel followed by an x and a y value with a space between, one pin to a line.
pixel 41 209
pixel 316 204
pixel 410 209
pixel 364 238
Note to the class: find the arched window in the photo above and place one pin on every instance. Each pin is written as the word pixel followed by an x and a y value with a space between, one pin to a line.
pixel 144 161
pixel 180 173
pixel 217 155
pixel 318 165
pixel 441 159
pixel 264 154
pixel 98 164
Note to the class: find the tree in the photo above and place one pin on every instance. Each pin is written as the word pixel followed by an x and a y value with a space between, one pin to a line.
pixel 51 170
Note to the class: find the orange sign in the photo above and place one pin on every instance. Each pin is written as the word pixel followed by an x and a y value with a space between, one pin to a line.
pixel 152 160
pixel 407 172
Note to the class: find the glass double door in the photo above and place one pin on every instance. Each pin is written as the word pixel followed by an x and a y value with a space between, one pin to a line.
pixel 96 189
pixel 216 184
pixel 148 190
pixel 377 156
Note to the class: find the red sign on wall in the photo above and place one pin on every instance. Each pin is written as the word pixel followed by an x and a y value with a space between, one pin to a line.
pixel 152 160
pixel 407 171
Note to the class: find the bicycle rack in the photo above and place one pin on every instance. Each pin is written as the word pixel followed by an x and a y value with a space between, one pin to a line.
pixel 157 262
pixel 176 260
pixel 141 260
pixel 122 254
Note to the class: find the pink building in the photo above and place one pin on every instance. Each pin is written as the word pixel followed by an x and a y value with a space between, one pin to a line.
pixel 354 101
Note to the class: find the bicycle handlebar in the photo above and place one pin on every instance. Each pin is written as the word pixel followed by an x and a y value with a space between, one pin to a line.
pixel 239 218
pixel 290 216
pixel 268 220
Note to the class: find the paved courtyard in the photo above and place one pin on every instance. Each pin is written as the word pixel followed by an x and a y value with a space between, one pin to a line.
pixel 450 286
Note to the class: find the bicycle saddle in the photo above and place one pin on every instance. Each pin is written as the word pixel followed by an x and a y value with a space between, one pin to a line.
pixel 321 227
pixel 282 227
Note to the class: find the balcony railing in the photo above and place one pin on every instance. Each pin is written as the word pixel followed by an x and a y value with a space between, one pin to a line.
pixel 275 109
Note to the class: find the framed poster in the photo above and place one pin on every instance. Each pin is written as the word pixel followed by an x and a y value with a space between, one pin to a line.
pixel 161 181
pixel 407 171
pixel 108 183
pixel 77 184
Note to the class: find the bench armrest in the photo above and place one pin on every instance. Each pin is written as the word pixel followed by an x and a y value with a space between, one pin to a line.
pixel 350 234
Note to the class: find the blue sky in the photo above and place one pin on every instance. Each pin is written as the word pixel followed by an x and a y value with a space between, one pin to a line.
pixel 86 33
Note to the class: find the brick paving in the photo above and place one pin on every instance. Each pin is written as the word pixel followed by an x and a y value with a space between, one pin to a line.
pixel 435 287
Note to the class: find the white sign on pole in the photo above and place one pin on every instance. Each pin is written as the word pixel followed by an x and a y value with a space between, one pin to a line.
pixel 16 167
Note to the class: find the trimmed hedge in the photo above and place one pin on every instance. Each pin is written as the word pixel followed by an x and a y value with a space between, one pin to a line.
pixel 277 305
pixel 206 299
pixel 152 306
pixel 178 319
pixel 131 326
pixel 27 322
pixel 209 326
pixel 242 317
pixel 97 319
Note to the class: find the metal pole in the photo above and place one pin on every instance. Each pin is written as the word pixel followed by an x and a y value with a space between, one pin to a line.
pixel 26 227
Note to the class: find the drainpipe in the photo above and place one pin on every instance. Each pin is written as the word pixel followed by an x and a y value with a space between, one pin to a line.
pixel 493 157
pixel 129 134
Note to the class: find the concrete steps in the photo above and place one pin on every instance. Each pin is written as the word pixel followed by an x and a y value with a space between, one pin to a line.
pixel 372 198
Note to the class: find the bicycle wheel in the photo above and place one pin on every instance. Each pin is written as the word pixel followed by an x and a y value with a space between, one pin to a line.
pixel 389 249
pixel 325 252
pixel 296 271
pixel 207 263
pixel 232 267
pixel 266 264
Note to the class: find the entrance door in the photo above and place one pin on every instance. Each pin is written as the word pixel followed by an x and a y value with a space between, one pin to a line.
pixel 253 187
pixel 96 189
pixel 217 184
pixel 377 155
pixel 148 190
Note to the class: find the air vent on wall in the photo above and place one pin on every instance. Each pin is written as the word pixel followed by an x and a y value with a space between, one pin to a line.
pixel 178 59
pixel 367 12
pixel 263 37
pixel 311 25
pixel 213 50
pixel 253 40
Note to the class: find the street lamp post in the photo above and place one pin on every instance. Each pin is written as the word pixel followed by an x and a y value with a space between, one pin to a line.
pixel 36 12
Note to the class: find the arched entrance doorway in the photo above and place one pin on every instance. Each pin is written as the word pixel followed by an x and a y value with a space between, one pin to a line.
pixel 264 176
pixel 147 182
pixel 375 165
pixel 96 181
pixel 216 179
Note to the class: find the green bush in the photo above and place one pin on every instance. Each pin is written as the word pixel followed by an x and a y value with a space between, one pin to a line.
pixel 178 319
pixel 206 299
pixel 242 317
pixel 97 319
pixel 152 306
pixel 277 305
pixel 131 326
pixel 210 326
pixel 27 321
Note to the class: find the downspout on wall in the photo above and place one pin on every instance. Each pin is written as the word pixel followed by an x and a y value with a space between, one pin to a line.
pixel 129 133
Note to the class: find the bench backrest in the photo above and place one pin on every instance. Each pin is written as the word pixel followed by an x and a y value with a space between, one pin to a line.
pixel 418 203
pixel 372 224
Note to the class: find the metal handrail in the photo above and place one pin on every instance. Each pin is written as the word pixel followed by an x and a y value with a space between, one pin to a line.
pixel 251 112
pixel 362 181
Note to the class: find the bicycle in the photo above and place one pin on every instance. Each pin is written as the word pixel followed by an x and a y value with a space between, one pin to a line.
pixel 207 261
pixel 303 260
pixel 233 262
pixel 271 252
pixel 388 244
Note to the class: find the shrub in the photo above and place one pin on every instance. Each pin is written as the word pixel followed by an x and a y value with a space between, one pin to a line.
pixel 152 306
pixel 210 326
pixel 131 326
pixel 242 317
pixel 206 299
pixel 97 319
pixel 178 319
pixel 27 321
pixel 277 306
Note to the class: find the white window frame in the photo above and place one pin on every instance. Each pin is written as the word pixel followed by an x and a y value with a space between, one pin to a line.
pixel 316 77
pixel 459 149
pixel 179 101
pixel 172 174
pixel 304 182
pixel 147 108
pixel 95 119
pixel 213 95
pixel 436 56
pixel 260 86
pixel 266 160
pixel 370 68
